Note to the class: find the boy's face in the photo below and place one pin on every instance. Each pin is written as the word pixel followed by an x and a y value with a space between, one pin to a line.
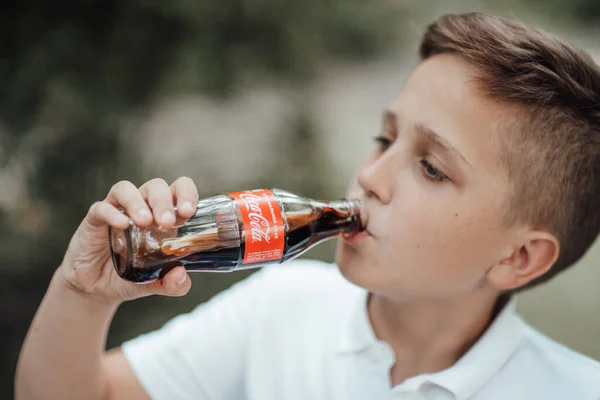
pixel 434 214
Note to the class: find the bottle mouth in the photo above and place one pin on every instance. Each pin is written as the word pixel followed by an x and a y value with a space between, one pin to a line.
pixel 358 215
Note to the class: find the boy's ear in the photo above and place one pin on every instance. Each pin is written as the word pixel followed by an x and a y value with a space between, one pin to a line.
pixel 532 258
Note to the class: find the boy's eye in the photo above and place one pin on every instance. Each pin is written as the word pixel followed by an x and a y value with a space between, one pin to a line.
pixel 432 172
pixel 383 143
pixel 429 170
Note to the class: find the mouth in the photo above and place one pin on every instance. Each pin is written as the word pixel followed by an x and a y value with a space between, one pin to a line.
pixel 363 231
pixel 360 234
pixel 357 236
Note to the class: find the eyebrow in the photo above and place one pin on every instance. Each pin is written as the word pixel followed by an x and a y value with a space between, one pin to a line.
pixel 390 123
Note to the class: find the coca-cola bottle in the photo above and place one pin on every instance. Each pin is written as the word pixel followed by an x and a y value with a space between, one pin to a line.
pixel 233 231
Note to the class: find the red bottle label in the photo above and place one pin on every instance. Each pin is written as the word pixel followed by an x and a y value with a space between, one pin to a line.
pixel 264 231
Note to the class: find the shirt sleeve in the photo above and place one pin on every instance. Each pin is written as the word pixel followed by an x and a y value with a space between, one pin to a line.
pixel 201 355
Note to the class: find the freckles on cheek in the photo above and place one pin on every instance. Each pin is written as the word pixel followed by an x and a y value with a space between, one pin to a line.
pixel 472 231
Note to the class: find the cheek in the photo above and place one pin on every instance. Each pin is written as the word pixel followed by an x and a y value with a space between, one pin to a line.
pixel 448 243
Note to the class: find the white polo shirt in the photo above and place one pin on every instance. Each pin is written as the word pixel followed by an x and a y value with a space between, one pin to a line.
pixel 301 331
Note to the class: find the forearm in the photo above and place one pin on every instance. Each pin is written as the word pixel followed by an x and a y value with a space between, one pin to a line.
pixel 62 353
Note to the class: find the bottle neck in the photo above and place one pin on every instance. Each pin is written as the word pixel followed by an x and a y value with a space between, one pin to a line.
pixel 343 217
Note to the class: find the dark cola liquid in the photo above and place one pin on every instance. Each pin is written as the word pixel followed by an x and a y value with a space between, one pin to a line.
pixel 218 260
pixel 314 228
pixel 306 228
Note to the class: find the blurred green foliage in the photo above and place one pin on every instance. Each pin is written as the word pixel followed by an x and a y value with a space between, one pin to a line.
pixel 75 75
pixel 586 12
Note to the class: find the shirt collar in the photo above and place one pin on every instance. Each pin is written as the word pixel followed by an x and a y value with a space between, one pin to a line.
pixel 470 373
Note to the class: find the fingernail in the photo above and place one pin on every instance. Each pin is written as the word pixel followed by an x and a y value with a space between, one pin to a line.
pixel 167 216
pixel 144 213
pixel 187 206
pixel 182 280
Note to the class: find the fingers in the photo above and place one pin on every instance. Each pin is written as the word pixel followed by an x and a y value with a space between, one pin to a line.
pixel 102 213
pixel 125 194
pixel 175 283
pixel 155 201
pixel 185 194
pixel 158 195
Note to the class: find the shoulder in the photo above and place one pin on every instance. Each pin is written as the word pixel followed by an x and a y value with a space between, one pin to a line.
pixel 558 366
pixel 560 356
pixel 301 275
pixel 303 284
pixel 310 281
pixel 303 296
pixel 304 302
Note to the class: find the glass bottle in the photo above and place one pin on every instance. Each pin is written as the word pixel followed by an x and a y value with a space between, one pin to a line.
pixel 233 231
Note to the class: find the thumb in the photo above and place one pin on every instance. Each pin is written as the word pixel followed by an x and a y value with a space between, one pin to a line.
pixel 175 283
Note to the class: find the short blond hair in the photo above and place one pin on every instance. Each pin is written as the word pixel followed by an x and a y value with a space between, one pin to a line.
pixel 552 153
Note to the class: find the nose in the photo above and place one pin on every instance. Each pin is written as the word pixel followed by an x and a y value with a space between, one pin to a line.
pixel 376 177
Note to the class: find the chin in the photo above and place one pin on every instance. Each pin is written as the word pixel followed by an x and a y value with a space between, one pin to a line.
pixel 364 272
pixel 353 266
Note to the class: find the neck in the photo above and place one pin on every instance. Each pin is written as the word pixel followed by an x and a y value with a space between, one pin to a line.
pixel 431 335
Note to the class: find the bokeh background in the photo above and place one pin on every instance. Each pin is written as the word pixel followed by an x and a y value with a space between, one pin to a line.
pixel 236 94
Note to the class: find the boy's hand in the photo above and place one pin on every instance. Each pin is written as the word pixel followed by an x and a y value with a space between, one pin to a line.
pixel 87 266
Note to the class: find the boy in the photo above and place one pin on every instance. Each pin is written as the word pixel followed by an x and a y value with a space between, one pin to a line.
pixel 485 181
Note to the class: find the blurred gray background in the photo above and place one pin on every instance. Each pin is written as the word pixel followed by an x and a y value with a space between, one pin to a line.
pixel 236 94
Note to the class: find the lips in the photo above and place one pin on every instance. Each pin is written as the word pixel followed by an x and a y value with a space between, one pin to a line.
pixel 364 232
pixel 364 219
pixel 357 237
